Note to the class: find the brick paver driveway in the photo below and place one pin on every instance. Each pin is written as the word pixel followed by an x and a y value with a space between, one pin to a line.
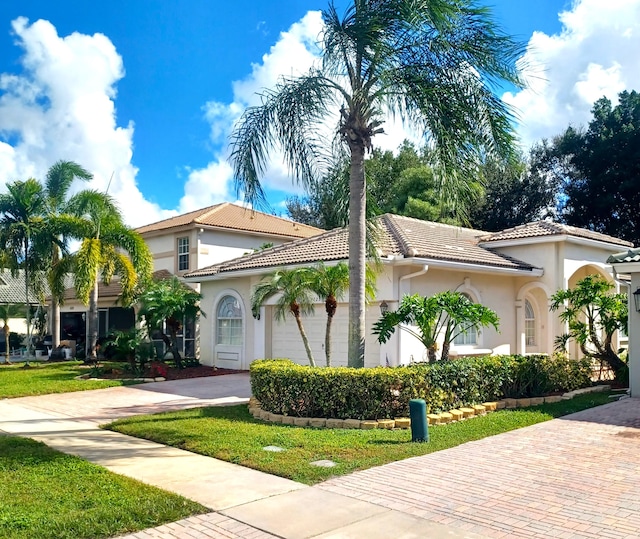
pixel 575 477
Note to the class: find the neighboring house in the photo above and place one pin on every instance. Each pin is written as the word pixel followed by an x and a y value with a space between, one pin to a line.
pixel 211 235
pixel 513 272
pixel 12 292
pixel 628 263
pixel 181 244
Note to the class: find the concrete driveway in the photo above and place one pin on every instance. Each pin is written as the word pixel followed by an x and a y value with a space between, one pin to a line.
pixel 105 405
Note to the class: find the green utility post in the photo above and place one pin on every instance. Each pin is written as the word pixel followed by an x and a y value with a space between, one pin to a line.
pixel 418 414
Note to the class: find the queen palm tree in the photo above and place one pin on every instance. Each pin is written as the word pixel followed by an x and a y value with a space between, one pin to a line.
pixel 108 248
pixel 294 296
pixel 431 63
pixel 21 224
pixel 58 182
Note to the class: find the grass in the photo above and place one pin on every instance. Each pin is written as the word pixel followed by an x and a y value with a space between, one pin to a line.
pixel 231 434
pixel 49 495
pixel 45 378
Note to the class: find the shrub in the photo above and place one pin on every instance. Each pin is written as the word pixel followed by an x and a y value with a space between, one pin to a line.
pixel 284 387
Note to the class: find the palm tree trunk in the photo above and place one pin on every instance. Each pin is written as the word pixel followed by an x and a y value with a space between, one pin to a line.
pixel 327 340
pixel 7 334
pixel 92 355
pixel 26 295
pixel 305 340
pixel 357 255
pixel 54 313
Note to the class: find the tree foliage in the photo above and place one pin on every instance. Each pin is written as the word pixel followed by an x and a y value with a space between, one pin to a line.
pixel 169 302
pixel 599 169
pixel 432 63
pixel 593 314
pixel 442 316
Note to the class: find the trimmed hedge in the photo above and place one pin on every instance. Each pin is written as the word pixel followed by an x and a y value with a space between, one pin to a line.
pixel 284 387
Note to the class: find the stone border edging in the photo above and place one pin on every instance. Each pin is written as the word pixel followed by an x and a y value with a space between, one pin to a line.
pixel 457 414
pixel 141 380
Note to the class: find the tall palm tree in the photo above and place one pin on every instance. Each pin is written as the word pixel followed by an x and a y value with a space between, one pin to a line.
pixel 292 287
pixel 431 63
pixel 329 283
pixel 108 248
pixel 21 224
pixel 58 182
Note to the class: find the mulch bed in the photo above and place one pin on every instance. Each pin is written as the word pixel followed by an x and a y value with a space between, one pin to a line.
pixel 174 373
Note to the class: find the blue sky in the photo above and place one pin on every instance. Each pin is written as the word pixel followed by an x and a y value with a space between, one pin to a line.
pixel 147 90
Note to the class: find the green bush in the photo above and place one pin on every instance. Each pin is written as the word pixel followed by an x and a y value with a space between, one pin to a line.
pixel 284 387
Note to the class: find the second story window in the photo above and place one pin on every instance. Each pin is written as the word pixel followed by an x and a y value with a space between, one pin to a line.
pixel 183 254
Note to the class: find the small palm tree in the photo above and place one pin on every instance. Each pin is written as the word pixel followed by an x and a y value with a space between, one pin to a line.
pixel 329 283
pixel 431 63
pixel 7 312
pixel 108 248
pixel 293 288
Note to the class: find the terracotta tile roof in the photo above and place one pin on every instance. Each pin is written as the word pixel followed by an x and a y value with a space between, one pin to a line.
pixel 397 236
pixel 548 228
pixel 631 255
pixel 233 217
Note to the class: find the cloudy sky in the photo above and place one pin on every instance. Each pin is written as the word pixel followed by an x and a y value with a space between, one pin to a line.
pixel 145 92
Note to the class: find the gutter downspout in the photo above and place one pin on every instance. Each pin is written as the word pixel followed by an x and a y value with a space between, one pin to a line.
pixel 401 292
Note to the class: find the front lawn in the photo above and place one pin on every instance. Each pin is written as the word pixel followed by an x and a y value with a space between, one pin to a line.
pixel 49 495
pixel 231 434
pixel 45 378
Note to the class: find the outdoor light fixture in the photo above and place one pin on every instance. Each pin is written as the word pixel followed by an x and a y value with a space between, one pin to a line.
pixel 384 306
pixel 636 299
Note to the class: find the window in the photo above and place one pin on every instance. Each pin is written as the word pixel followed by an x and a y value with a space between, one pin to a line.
pixel 529 324
pixel 183 254
pixel 469 337
pixel 229 322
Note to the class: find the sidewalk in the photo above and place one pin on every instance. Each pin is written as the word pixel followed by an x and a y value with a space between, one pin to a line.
pixel 245 503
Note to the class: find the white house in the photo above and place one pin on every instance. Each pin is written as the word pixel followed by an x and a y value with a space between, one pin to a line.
pixel 181 244
pixel 514 272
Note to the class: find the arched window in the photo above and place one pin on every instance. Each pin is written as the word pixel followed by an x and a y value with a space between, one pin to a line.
pixel 469 337
pixel 229 319
pixel 529 324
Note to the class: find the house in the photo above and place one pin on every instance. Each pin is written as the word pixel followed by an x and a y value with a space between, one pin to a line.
pixel 628 263
pixel 181 244
pixel 514 272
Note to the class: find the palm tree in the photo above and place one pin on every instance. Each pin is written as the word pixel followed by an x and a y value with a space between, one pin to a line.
pixel 7 312
pixel 21 224
pixel 432 63
pixel 169 301
pixel 56 190
pixel 329 283
pixel 293 288
pixel 108 248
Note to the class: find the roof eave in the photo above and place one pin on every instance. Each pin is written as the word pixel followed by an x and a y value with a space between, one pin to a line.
pixel 552 238
pixel 475 268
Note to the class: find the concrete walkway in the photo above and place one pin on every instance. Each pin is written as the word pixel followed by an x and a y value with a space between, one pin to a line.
pixel 576 477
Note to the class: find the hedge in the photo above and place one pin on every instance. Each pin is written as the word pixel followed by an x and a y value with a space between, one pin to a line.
pixel 284 387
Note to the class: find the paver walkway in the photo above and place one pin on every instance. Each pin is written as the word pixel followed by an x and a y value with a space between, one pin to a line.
pixel 576 477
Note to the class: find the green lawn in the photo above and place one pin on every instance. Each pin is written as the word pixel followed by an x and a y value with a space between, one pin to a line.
pixel 45 378
pixel 49 495
pixel 231 434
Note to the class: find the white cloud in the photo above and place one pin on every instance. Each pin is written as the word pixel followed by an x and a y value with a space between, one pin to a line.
pixel 62 107
pixel 595 55
pixel 293 54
